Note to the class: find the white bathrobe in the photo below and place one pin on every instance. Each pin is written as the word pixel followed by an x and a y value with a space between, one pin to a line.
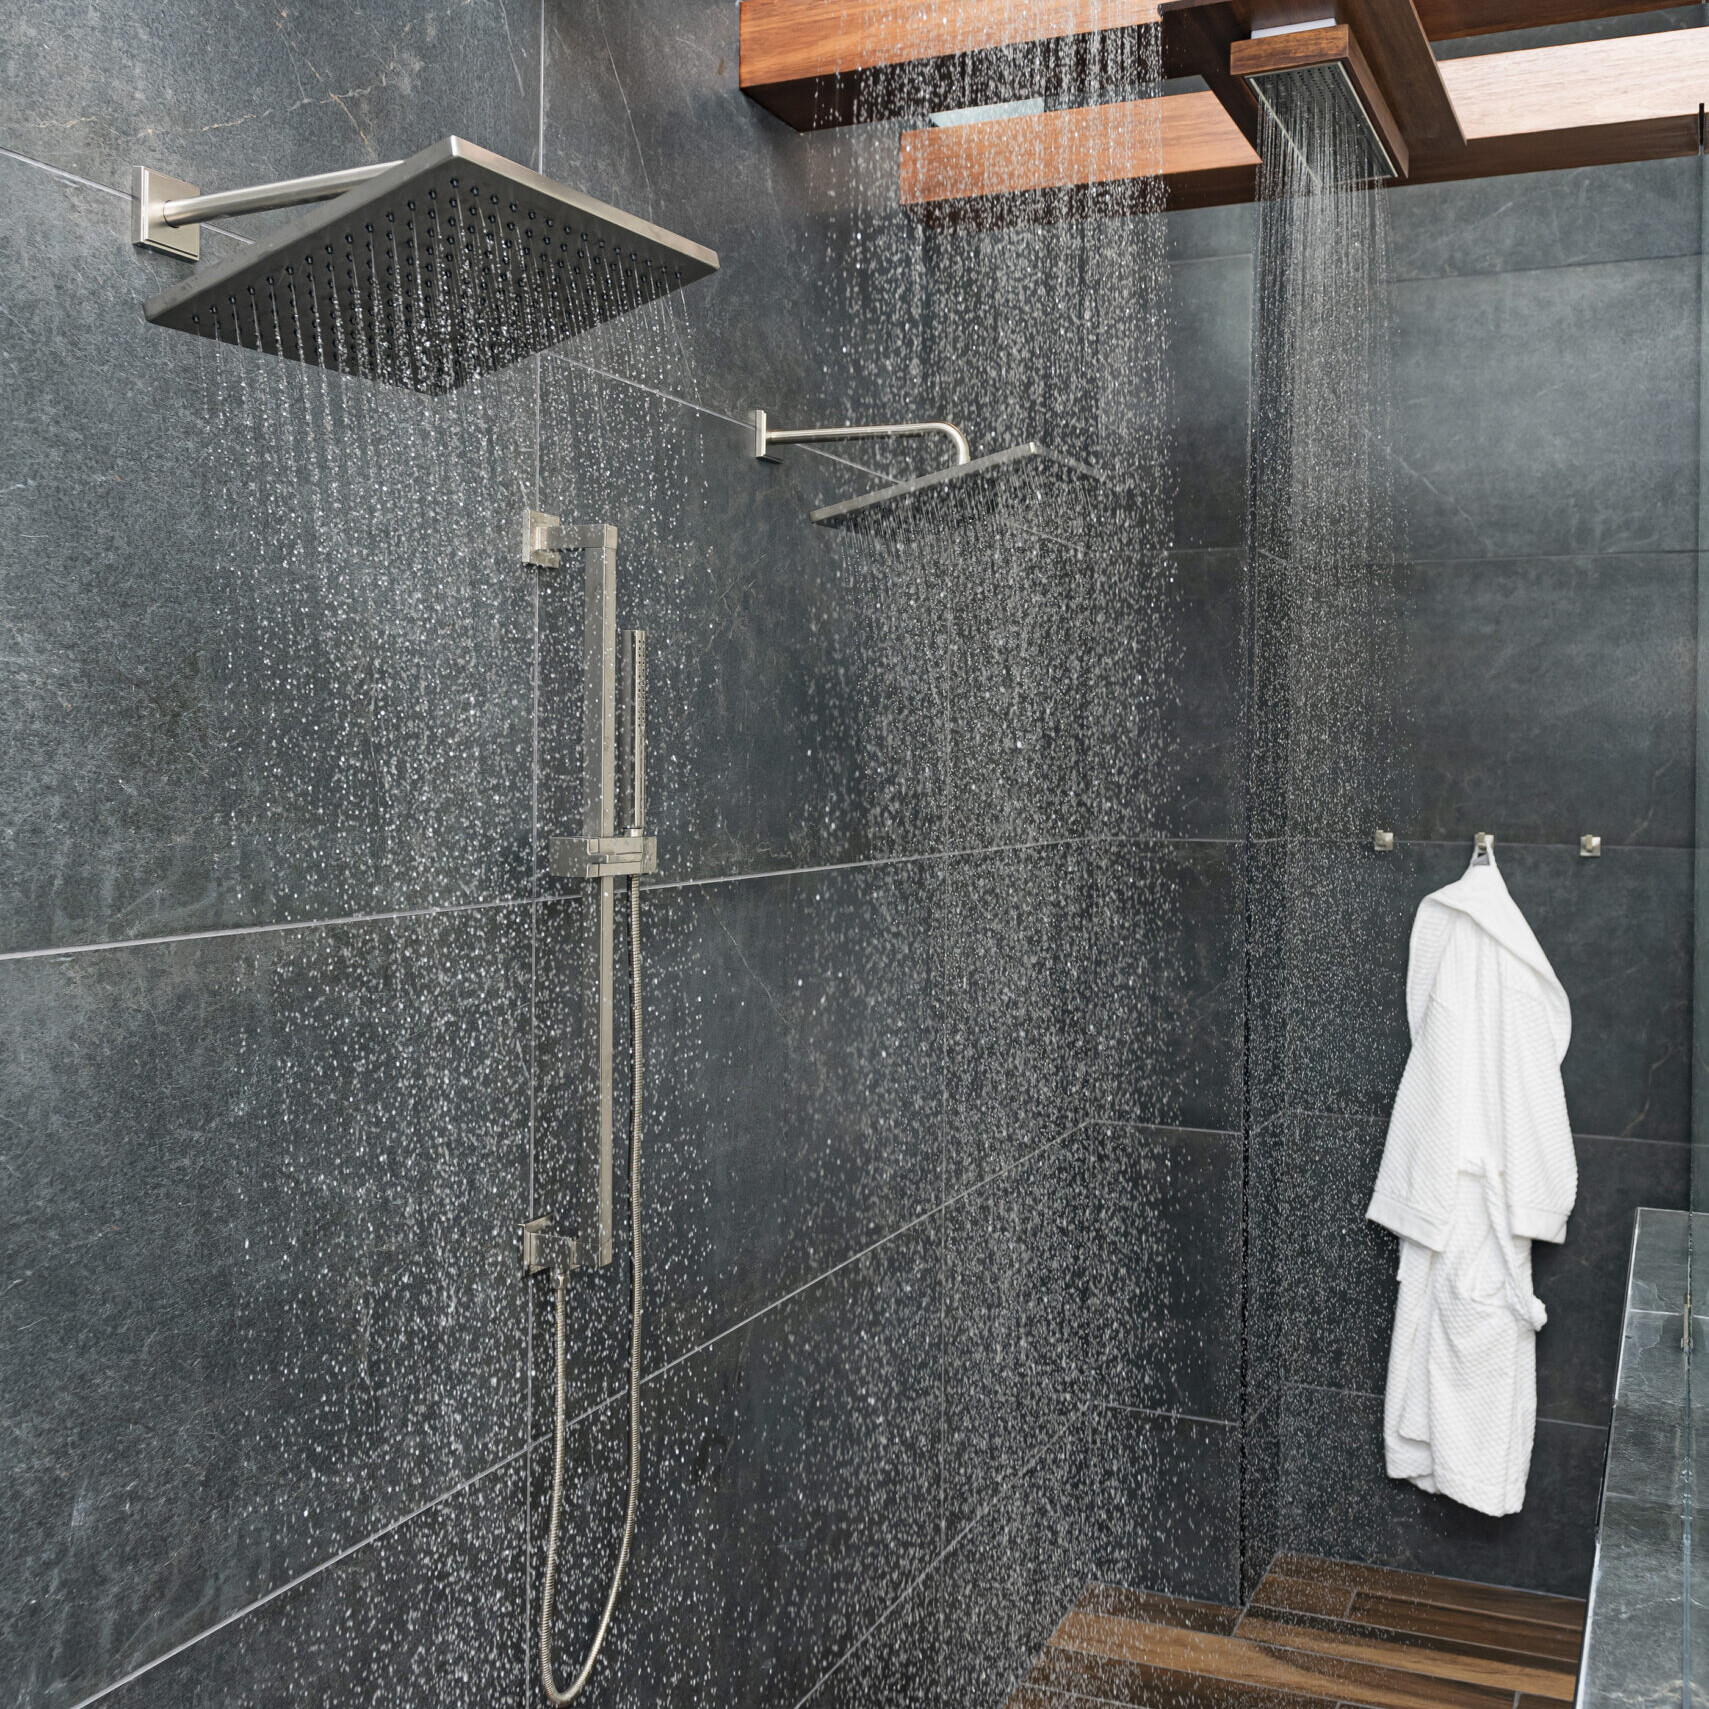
pixel 1479 1163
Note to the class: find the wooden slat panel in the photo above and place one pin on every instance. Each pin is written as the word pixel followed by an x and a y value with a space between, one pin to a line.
pixel 1018 169
pixel 823 62
pixel 1159 1610
pixel 1468 1626
pixel 1585 104
pixel 1245 1663
pixel 1444 20
pixel 1104 1680
pixel 1442 1592
pixel 1405 70
pixel 1497 1671
pixel 1301 1596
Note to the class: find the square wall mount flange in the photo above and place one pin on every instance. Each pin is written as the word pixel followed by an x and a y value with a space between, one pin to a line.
pixel 150 190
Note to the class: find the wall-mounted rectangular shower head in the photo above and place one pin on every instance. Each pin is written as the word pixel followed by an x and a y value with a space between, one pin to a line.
pixel 449 264
pixel 1042 491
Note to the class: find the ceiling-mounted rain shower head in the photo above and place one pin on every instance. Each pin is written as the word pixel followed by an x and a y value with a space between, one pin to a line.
pixel 1045 492
pixel 1303 74
pixel 430 271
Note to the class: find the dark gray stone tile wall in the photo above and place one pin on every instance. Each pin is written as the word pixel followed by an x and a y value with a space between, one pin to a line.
pixel 1546 398
pixel 293 1032
pixel 942 1307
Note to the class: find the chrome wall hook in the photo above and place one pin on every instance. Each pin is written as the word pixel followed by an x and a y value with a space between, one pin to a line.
pixel 1483 848
pixel 1383 841
pixel 1590 847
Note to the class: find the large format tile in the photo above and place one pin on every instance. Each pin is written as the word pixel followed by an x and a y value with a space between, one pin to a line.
pixel 1582 1282
pixel 788 1495
pixel 1548 411
pixel 1616 930
pixel 1019 1030
pixel 1163 1251
pixel 272 647
pixel 1592 214
pixel 642 106
pixel 1208 781
pixel 1548 697
pixel 1015 1319
pixel 1162 1503
pixel 263 1291
pixel 1013 1575
pixel 791 1092
pixel 1165 993
pixel 231 95
pixel 1336 1285
pixel 1337 1500
pixel 432 1612
pixel 1209 335
pixel 1634 1647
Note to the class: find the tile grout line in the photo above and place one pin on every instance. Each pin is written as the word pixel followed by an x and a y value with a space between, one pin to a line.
pixel 303 1577
pixel 105 189
pixel 427 908
pixel 1371 1394
pixel 583 1417
pixel 936 1561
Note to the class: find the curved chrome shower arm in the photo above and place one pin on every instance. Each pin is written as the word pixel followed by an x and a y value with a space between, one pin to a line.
pixel 765 437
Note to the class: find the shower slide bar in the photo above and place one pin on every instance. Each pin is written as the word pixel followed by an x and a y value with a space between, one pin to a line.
pixel 766 436
pixel 610 720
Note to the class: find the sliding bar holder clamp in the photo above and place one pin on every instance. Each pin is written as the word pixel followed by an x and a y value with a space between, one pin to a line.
pixel 613 718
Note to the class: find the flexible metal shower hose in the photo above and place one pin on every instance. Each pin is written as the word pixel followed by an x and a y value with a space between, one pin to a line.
pixel 553 1694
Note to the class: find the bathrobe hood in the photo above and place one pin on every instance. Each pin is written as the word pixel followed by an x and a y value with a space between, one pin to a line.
pixel 1482 1088
pixel 1481 895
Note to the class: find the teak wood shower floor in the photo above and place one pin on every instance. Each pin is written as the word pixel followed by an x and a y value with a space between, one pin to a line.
pixel 1316 1634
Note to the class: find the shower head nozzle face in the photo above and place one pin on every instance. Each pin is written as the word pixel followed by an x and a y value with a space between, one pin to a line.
pixel 1298 101
pixel 1045 492
pixel 454 263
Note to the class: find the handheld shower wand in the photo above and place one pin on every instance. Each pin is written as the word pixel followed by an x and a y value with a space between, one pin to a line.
pixel 603 856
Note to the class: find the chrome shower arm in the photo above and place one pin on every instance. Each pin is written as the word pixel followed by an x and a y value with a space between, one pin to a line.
pixel 258 198
pixel 765 437
pixel 164 206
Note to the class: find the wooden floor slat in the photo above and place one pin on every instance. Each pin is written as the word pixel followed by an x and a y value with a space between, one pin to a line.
pixel 1098 1679
pixel 1305 1672
pixel 1318 1634
pixel 1302 1596
pixel 1160 1610
pixel 1502 1631
pixel 1444 1592
pixel 1500 1671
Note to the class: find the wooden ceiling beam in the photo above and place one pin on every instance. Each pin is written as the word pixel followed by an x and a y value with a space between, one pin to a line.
pixel 818 63
pixel 1584 104
pixel 1080 160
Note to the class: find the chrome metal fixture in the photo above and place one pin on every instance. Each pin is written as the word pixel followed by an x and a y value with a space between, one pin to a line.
pixel 600 854
pixel 1332 82
pixel 765 436
pixel 1483 848
pixel 1589 847
pixel 420 272
pixel 1383 841
pixel 1052 492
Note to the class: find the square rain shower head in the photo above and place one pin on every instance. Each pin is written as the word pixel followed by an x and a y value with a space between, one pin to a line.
pixel 453 263
pixel 1055 495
